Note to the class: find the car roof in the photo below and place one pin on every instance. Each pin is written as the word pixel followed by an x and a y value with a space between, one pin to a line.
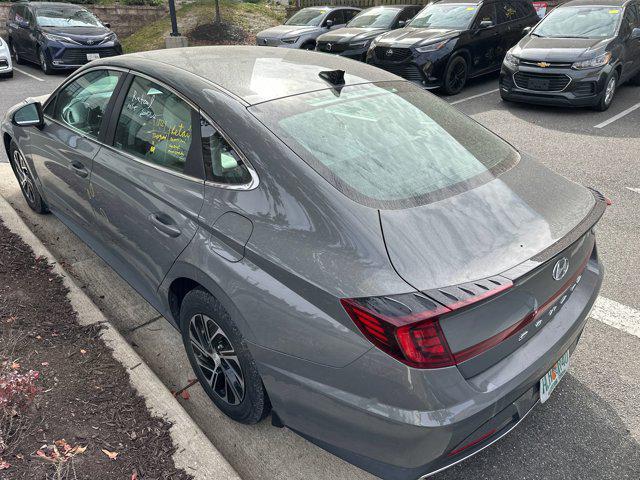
pixel 251 73
pixel 607 3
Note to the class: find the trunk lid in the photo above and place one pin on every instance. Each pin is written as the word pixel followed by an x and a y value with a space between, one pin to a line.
pixel 493 247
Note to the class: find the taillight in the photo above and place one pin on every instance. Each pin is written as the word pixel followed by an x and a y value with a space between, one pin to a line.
pixel 404 326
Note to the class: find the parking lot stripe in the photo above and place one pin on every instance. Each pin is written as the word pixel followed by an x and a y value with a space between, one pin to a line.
pixel 618 116
pixel 475 96
pixel 28 74
pixel 617 315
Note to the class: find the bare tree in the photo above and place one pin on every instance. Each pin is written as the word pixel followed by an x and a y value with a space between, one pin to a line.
pixel 217 18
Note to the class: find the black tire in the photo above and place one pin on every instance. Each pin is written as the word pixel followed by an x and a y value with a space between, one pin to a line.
pixel 455 75
pixel 45 63
pixel 25 179
pixel 606 100
pixel 635 80
pixel 16 57
pixel 227 354
pixel 7 75
pixel 308 46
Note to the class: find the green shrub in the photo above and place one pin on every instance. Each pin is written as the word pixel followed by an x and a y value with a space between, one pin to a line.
pixel 153 3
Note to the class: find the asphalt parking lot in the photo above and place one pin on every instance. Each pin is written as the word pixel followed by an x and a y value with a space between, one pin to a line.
pixel 589 429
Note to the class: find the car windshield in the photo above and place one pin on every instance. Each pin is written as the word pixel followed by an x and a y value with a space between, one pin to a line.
pixel 445 15
pixel 429 151
pixel 375 18
pixel 66 17
pixel 308 16
pixel 580 22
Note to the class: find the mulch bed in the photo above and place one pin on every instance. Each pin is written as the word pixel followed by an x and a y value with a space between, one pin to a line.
pixel 84 398
pixel 219 34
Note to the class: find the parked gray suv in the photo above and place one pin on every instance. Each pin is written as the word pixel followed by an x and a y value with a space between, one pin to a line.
pixel 346 251
pixel 302 29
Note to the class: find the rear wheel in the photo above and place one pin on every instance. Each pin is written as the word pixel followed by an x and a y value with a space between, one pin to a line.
pixel 455 76
pixel 309 46
pixel 25 179
pixel 14 52
pixel 220 358
pixel 609 92
pixel 635 80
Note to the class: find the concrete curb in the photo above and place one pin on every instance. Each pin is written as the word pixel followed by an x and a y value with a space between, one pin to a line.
pixel 195 453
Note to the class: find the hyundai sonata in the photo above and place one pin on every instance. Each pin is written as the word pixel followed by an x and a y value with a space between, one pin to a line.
pixel 337 246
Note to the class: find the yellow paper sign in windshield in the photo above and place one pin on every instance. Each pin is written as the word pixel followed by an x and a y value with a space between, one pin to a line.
pixel 613 12
pixel 471 8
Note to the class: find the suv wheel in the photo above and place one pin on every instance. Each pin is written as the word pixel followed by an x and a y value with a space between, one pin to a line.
pixel 45 63
pixel 455 76
pixel 14 52
pixel 25 179
pixel 609 92
pixel 220 358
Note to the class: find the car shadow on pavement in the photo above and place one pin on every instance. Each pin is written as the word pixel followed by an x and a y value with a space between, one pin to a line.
pixel 575 435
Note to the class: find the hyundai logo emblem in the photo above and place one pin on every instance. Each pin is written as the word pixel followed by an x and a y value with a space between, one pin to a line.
pixel 560 269
pixel 329 46
pixel 389 52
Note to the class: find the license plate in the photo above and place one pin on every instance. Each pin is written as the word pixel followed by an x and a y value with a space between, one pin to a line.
pixel 538 84
pixel 550 381
pixel 93 56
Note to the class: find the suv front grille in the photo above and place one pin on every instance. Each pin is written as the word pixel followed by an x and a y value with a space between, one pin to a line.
pixel 534 63
pixel 409 72
pixel 78 56
pixel 390 54
pixel 331 47
pixel 541 82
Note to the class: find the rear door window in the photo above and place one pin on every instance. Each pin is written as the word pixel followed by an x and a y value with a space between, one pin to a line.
pixel 81 104
pixel 222 163
pixel 155 125
pixel 507 11
pixel 486 13
pixel 337 17
pixel 429 151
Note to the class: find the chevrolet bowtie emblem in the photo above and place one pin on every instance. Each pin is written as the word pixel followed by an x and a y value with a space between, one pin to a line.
pixel 543 64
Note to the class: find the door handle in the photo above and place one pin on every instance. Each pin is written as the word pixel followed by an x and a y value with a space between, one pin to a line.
pixel 164 224
pixel 78 169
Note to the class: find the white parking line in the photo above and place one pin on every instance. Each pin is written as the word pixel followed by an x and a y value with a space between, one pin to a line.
pixel 617 315
pixel 637 190
pixel 28 74
pixel 618 116
pixel 475 96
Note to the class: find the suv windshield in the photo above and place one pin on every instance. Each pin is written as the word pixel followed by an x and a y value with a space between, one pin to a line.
pixel 429 151
pixel 308 16
pixel 580 22
pixel 66 17
pixel 375 18
pixel 446 15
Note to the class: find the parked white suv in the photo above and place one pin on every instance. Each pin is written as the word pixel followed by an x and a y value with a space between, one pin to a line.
pixel 6 67
pixel 302 29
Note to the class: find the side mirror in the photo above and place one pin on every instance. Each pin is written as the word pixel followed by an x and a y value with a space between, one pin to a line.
pixel 401 23
pixel 228 162
pixel 486 24
pixel 635 34
pixel 527 30
pixel 107 24
pixel 23 24
pixel 329 23
pixel 29 116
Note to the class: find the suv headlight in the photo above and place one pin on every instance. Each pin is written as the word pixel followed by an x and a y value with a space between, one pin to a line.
pixel 360 44
pixel 432 47
pixel 596 62
pixel 511 60
pixel 290 40
pixel 59 38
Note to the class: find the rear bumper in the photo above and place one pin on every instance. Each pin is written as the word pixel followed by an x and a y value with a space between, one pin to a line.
pixel 401 423
pixel 585 88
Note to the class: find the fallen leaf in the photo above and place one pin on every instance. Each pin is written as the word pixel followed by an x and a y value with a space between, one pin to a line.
pixel 4 465
pixel 38 337
pixel 15 365
pixel 19 456
pixel 77 450
pixel 111 455
pixel 134 475
pixel 83 351
pixel 45 364
pixel 185 395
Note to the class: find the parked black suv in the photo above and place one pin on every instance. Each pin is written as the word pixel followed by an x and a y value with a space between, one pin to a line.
pixel 578 55
pixel 58 36
pixel 450 41
pixel 354 39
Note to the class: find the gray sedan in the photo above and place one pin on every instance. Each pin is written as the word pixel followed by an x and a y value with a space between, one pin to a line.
pixel 338 247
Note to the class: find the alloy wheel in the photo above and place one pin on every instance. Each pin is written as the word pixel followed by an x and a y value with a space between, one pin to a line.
pixel 24 176
pixel 217 359
pixel 610 90
pixel 43 62
pixel 457 77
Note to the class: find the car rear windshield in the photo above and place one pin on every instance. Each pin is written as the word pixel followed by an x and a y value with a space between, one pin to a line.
pixel 387 145
pixel 580 22
pixel 307 16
